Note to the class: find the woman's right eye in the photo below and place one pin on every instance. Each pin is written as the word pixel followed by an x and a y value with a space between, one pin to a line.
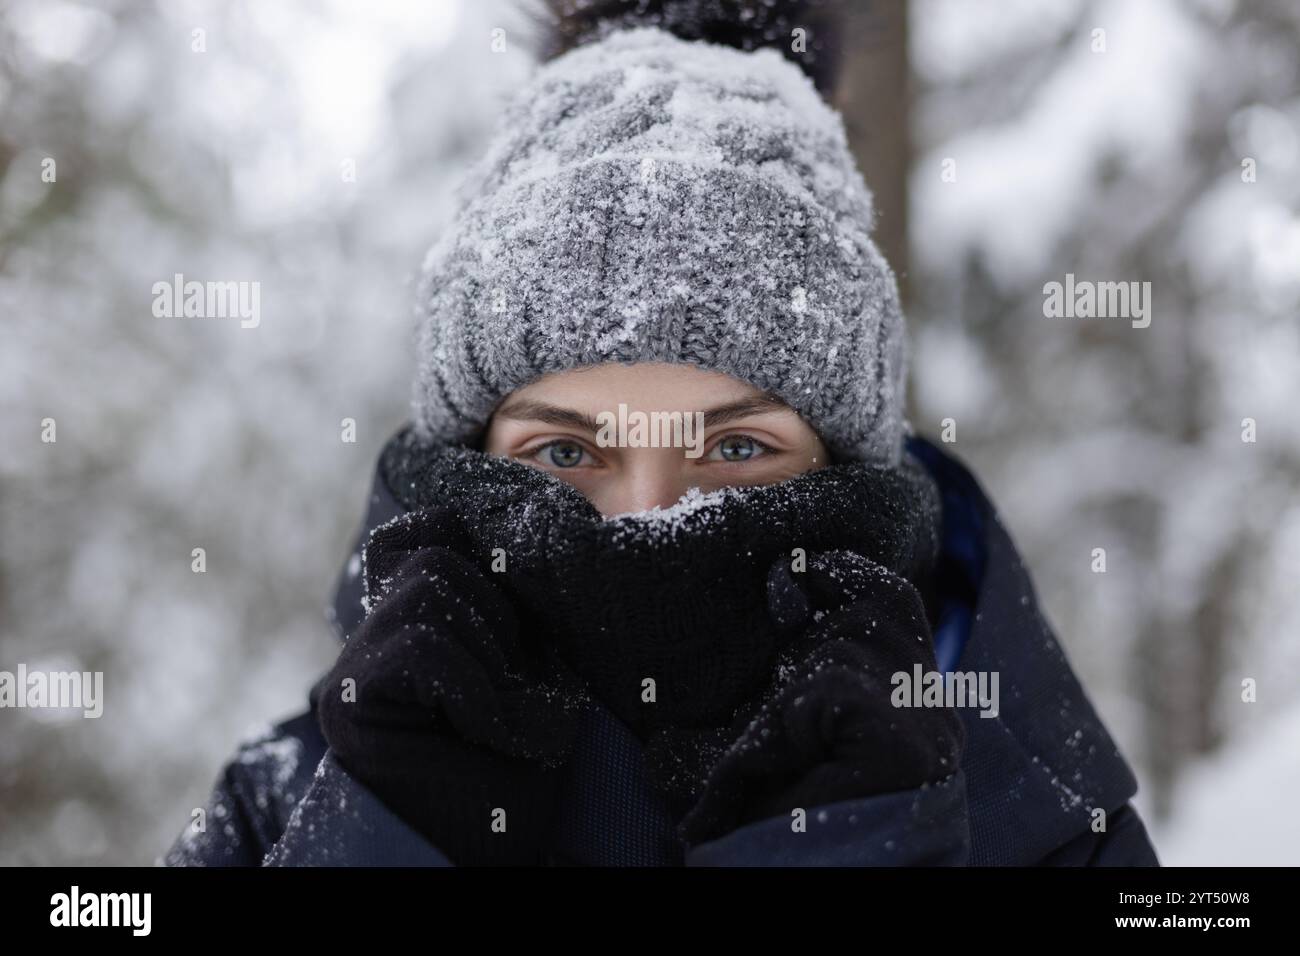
pixel 561 454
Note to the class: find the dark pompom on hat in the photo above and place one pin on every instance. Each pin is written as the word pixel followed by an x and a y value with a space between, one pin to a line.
pixel 806 32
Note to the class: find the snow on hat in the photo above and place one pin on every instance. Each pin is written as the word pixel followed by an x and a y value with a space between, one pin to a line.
pixel 655 199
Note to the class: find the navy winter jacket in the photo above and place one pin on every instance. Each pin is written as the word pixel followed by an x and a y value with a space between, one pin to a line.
pixel 1031 783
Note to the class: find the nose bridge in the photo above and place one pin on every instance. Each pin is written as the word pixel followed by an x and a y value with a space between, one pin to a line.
pixel 650 478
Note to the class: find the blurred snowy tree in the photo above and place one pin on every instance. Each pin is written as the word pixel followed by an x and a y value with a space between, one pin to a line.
pixel 309 147
pixel 1115 141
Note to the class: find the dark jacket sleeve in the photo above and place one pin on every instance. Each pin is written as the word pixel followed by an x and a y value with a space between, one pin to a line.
pixel 339 822
pixel 925 827
pixel 283 800
pixel 1124 843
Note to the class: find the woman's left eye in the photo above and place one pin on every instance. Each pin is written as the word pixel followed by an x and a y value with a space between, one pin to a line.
pixel 737 448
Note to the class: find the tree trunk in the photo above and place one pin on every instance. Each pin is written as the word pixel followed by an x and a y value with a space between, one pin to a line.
pixel 874 94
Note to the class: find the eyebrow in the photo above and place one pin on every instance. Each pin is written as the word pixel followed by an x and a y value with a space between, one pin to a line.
pixel 532 411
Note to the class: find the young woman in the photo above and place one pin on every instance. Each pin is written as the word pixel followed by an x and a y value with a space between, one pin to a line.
pixel 655 575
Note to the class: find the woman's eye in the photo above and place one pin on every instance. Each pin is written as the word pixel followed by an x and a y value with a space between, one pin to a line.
pixel 562 454
pixel 737 448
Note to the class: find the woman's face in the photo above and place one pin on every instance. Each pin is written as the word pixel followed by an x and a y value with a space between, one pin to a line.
pixel 725 432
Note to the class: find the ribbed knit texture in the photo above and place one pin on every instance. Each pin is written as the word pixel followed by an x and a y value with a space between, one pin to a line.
pixel 650 199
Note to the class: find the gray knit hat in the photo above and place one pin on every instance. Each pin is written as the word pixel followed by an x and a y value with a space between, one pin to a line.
pixel 652 199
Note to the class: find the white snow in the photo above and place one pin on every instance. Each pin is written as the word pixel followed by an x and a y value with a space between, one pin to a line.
pixel 1238 808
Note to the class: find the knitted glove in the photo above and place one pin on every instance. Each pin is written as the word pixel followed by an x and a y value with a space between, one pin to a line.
pixel 826 731
pixel 455 722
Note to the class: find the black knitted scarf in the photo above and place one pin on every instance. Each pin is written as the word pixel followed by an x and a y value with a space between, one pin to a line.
pixel 664 613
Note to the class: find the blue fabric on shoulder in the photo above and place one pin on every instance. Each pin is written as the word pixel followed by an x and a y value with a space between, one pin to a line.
pixel 962 556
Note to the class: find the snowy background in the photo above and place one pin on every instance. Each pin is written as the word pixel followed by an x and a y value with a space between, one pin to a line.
pixel 1122 165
